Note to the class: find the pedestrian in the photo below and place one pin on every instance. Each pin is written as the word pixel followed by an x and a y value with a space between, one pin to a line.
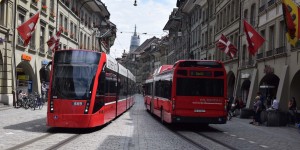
pixel 262 99
pixel 275 104
pixel 269 101
pixel 229 105
pixel 44 91
pixel 292 110
pixel 257 108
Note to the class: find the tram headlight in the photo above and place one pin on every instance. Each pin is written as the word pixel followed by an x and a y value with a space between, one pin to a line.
pixel 87 105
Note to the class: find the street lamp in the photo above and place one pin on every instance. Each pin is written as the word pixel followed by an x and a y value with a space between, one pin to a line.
pixel 134 3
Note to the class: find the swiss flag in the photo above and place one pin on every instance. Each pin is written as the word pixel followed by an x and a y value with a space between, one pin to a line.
pixel 53 42
pixel 253 38
pixel 27 28
pixel 225 45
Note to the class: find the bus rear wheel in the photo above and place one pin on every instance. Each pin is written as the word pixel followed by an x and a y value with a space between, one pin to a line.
pixel 162 115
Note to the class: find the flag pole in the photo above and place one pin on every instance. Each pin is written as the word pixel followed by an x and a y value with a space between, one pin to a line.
pixel 13 61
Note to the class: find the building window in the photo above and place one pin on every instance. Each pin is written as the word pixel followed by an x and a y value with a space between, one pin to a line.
pixel 2 5
pixel 237 8
pixel 42 39
pixel 244 53
pixel 61 20
pixel 75 32
pixel 88 45
pixel 263 47
pixel 21 19
pixel 232 11
pixel 71 31
pixel 253 15
pixel 49 36
pixel 66 26
pixel 282 39
pixel 271 37
pixel 51 8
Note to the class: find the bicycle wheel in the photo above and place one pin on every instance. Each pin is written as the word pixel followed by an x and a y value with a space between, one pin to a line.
pixel 41 104
pixel 26 103
pixel 32 104
pixel 19 103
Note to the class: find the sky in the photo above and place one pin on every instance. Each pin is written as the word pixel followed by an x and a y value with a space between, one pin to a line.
pixel 150 16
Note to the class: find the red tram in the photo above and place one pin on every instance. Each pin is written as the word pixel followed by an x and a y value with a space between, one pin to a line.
pixel 190 91
pixel 87 89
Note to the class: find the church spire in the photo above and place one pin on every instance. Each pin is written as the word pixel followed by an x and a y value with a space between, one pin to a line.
pixel 135 41
pixel 135 31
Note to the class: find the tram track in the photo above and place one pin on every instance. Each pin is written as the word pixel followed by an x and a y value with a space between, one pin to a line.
pixel 34 143
pixel 200 144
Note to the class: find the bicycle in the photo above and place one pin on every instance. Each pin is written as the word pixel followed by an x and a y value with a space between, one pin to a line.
pixel 22 101
pixel 35 101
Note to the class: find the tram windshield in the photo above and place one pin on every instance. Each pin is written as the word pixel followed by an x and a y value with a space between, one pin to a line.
pixel 73 74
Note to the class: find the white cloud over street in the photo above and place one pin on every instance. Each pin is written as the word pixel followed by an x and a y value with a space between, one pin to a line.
pixel 150 16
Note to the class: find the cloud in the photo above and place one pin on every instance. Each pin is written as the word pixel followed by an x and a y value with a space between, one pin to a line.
pixel 150 16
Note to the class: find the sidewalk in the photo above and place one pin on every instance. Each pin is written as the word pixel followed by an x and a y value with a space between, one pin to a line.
pixel 4 107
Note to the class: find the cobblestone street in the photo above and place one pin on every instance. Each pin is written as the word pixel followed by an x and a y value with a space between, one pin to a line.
pixel 136 129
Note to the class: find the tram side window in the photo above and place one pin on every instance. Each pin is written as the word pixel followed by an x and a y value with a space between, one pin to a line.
pixel 99 100
pixel 123 87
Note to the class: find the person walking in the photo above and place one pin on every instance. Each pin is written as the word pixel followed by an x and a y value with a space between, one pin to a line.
pixel 257 107
pixel 44 91
pixel 292 110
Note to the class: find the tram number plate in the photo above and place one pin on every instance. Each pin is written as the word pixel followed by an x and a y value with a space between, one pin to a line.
pixel 199 110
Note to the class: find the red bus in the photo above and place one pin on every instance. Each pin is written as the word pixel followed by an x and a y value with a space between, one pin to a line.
pixel 87 89
pixel 190 91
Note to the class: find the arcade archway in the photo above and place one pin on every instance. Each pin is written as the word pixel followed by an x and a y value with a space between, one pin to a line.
pixel 295 86
pixel 245 90
pixel 230 83
pixel 25 77
pixel 268 85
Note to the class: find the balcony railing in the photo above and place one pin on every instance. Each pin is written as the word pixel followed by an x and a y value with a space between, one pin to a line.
pixel 261 8
pixel 269 53
pixel 260 55
pixel 271 2
pixel 280 50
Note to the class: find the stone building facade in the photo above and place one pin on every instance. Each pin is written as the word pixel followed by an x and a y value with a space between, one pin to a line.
pixel 273 70
pixel 80 22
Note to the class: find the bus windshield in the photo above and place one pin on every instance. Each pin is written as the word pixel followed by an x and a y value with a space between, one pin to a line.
pixel 200 87
pixel 73 74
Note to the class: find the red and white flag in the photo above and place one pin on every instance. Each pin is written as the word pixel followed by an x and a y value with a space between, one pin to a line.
pixel 254 39
pixel 53 42
pixel 225 45
pixel 27 28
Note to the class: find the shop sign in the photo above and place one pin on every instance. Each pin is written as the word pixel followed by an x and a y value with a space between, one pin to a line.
pixel 245 76
pixel 268 69
pixel 23 77
pixel 26 57
pixel 19 69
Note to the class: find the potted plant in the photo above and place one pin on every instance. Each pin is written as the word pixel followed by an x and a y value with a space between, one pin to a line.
pixel 52 14
pixel 44 8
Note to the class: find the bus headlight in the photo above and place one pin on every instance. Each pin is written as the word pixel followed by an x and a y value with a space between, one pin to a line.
pixel 51 106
